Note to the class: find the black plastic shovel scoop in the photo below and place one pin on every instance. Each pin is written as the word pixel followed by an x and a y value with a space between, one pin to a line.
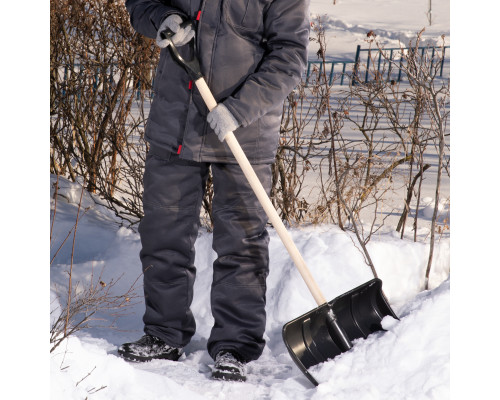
pixel 311 339
pixel 329 329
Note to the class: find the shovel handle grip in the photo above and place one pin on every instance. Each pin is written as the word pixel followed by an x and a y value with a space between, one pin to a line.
pixel 263 198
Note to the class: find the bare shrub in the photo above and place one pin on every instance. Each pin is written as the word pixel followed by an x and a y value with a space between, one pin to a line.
pixel 101 72
pixel 343 153
pixel 347 153
pixel 422 72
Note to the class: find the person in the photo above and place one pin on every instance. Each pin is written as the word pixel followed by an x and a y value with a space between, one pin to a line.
pixel 252 54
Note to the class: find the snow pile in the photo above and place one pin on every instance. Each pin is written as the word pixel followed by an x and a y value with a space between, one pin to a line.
pixel 411 360
pixel 394 22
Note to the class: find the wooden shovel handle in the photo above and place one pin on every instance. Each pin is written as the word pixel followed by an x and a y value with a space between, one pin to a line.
pixel 264 200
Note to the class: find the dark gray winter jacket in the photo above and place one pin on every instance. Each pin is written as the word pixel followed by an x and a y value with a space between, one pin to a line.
pixel 252 53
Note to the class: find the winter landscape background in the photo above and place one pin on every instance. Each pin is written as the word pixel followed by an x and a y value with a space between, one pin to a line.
pixel 410 360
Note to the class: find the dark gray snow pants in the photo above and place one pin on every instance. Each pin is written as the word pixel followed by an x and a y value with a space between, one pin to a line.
pixel 173 192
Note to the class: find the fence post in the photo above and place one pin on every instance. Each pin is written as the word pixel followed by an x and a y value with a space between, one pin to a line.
pixel 390 65
pixel 379 59
pixel 343 74
pixel 442 62
pixel 356 65
pixel 432 57
pixel 308 72
pixel 368 59
pixel 400 66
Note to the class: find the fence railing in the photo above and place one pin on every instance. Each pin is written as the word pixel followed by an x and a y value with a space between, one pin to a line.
pixel 389 64
pixel 312 67
pixel 96 77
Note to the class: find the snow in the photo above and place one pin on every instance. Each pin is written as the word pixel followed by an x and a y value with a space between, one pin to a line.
pixel 393 21
pixel 410 360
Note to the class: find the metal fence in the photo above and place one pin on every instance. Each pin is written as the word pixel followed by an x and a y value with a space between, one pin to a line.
pixel 389 63
pixel 316 67
pixel 386 63
pixel 95 77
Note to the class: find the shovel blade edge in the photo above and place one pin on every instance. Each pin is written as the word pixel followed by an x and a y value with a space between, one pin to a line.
pixel 359 312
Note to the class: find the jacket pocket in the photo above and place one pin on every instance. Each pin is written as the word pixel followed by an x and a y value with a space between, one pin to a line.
pixel 247 15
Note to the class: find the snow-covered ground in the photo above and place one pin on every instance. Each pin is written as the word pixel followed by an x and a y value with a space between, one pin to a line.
pixel 394 22
pixel 410 360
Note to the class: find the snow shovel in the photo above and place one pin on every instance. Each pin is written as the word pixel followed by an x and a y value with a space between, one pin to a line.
pixel 329 329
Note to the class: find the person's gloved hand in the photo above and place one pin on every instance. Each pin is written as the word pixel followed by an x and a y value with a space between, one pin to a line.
pixel 181 35
pixel 222 121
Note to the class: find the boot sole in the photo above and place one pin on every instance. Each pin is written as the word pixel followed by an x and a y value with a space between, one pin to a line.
pixel 135 358
pixel 227 376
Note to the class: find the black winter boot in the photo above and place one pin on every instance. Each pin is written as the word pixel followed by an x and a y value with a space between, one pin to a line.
pixel 229 366
pixel 148 348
